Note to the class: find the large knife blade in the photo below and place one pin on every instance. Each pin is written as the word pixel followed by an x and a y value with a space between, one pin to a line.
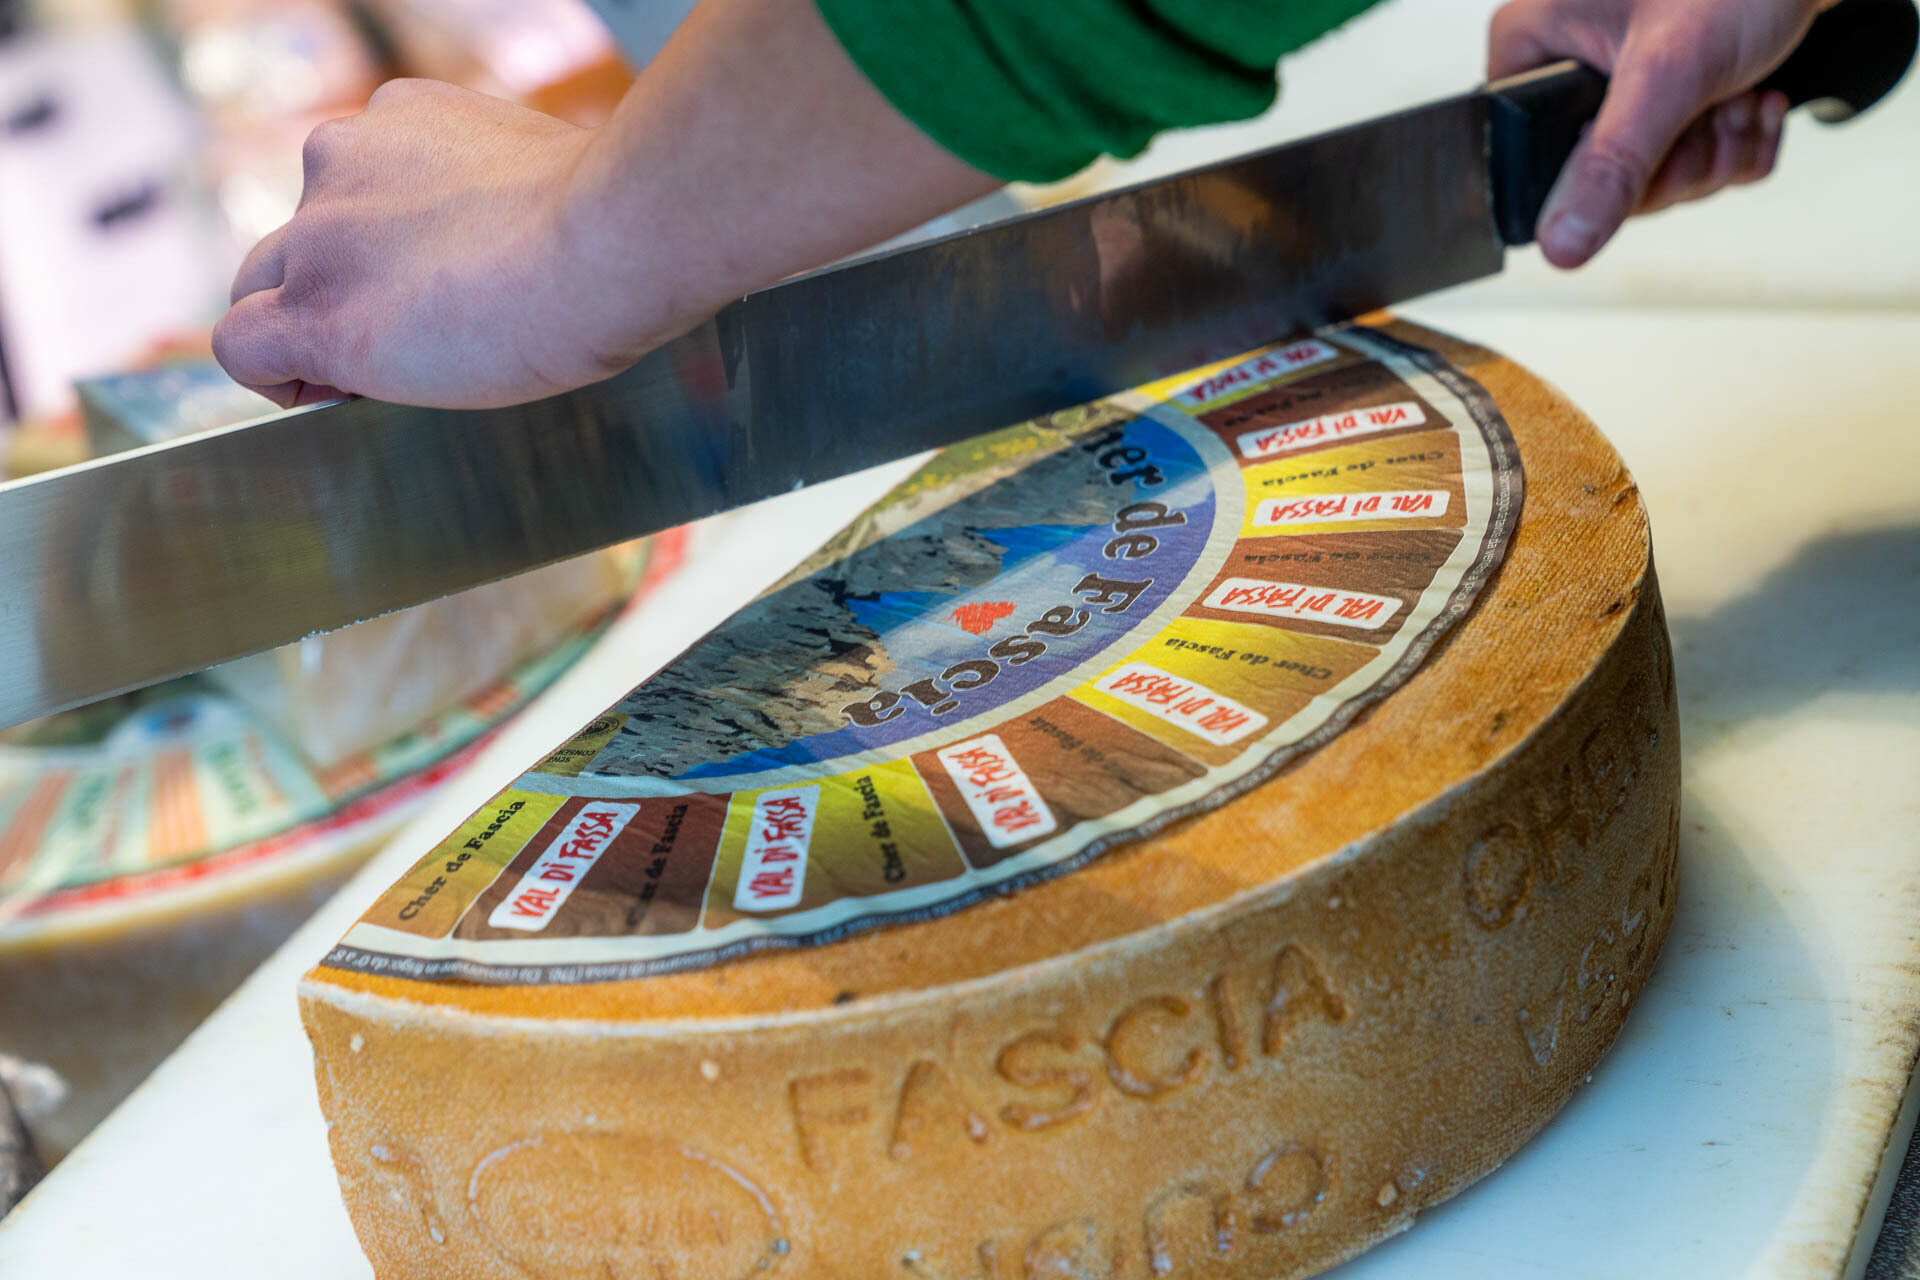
pixel 165 560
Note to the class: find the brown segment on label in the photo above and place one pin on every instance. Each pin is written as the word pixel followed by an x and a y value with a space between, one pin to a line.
pixel 649 880
pixel 1347 388
pixel 1084 765
pixel 1397 564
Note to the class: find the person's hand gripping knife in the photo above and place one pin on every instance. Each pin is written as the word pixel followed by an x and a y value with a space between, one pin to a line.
pixel 1680 120
pixel 454 250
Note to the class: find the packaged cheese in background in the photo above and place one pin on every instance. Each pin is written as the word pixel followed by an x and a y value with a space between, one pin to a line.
pixel 554 56
pixel 41 444
pixel 155 848
pixel 243 61
pixel 348 692
pixel 345 693
pixel 262 73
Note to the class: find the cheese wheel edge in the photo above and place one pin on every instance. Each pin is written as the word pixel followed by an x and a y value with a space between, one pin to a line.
pixel 1242 1090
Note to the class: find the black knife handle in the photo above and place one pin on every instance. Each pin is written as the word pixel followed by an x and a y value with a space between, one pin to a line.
pixel 1852 56
pixel 1533 122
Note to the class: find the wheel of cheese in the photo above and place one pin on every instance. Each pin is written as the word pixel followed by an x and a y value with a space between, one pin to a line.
pixel 1185 836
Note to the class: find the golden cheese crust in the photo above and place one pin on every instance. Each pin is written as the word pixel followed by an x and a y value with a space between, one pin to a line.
pixel 1248 1046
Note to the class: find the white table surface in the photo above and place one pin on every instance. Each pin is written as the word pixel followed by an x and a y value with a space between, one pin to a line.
pixel 1742 1122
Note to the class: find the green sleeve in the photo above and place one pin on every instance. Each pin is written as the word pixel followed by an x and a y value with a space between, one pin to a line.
pixel 1034 90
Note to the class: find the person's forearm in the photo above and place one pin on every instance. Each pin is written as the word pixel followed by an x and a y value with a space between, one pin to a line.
pixel 455 250
pixel 750 149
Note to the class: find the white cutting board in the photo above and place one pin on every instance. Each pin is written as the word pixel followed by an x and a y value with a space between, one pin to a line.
pixel 1740 1125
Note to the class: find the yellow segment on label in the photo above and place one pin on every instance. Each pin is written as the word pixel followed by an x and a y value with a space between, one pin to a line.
pixel 1409 482
pixel 569 760
pixel 1209 688
pixel 852 835
pixel 432 897
pixel 1217 385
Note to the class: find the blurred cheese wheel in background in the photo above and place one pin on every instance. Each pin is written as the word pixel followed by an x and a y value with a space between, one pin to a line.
pixel 155 848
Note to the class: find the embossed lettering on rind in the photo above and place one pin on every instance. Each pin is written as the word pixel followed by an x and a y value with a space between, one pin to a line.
pixel 1132 1044
pixel 1068 1251
pixel 406 1181
pixel 1287 1185
pixel 587 1205
pixel 1540 1023
pixel 1583 986
pixel 1044 1060
pixel 1153 1047
pixel 823 1103
pixel 1189 1226
pixel 1610 765
pixel 1197 1227
pixel 1500 874
pixel 1517 855
pixel 1560 828
pixel 1223 993
pixel 932 1109
pixel 1301 994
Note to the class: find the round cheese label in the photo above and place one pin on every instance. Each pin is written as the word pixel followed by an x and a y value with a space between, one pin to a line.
pixel 1047 641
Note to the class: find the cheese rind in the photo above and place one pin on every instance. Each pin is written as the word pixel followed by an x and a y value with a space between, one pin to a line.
pixel 1248 1044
